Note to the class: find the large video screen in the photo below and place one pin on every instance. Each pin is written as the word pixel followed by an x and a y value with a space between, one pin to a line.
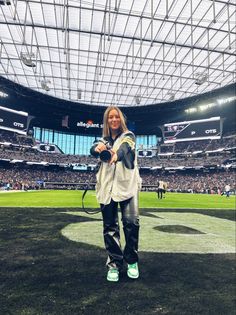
pixel 13 120
pixel 209 128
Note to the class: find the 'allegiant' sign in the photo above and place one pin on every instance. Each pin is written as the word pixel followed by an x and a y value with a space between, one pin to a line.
pixel 89 124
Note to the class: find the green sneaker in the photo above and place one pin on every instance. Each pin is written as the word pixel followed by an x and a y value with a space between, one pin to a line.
pixel 133 271
pixel 113 274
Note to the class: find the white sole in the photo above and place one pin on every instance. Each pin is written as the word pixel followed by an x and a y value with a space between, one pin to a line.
pixel 132 277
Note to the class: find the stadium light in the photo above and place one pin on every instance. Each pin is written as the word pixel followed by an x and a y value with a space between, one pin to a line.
pixel 226 100
pixel 2 94
pixel 200 108
pixel 200 78
pixel 138 99
pixel 44 85
pixel 191 110
pixel 203 107
pixel 79 94
pixel 171 96
pixel 27 59
pixel 206 106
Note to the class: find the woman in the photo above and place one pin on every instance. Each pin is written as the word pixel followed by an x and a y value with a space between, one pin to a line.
pixel 118 181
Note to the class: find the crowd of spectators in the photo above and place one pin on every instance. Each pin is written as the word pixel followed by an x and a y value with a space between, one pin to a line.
pixel 220 143
pixel 181 153
pixel 166 149
pixel 31 178
pixel 200 145
pixel 7 136
pixel 178 161
pixel 16 139
pixel 23 176
pixel 181 147
pixel 32 155
pixel 196 182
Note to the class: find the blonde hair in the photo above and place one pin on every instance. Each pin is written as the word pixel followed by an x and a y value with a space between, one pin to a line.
pixel 106 130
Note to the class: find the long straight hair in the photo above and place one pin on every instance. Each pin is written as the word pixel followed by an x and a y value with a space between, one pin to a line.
pixel 106 132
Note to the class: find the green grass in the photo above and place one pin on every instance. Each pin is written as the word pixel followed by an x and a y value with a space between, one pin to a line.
pixel 53 257
pixel 45 272
pixel 72 199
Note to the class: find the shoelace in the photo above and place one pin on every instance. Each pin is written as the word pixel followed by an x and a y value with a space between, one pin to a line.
pixel 113 270
pixel 133 266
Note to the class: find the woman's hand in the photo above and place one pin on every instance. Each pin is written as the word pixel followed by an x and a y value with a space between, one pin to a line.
pixel 100 147
pixel 113 158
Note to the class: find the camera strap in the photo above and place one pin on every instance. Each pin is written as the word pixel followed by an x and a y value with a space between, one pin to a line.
pixel 83 207
pixel 84 194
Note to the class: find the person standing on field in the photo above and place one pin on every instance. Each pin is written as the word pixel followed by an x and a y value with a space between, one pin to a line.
pixel 118 182
pixel 227 190
pixel 161 189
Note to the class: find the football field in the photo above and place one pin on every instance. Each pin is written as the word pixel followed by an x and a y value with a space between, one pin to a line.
pixel 73 198
pixel 53 258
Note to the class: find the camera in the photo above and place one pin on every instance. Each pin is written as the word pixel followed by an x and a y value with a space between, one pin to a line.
pixel 105 155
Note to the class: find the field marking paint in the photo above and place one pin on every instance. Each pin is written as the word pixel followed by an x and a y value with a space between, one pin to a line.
pixel 218 237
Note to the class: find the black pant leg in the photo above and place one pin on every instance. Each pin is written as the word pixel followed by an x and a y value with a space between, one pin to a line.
pixel 130 219
pixel 111 233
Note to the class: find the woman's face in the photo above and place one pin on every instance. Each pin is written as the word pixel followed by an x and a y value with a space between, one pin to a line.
pixel 114 121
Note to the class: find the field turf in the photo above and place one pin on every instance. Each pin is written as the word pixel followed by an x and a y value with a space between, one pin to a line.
pixel 72 198
pixel 53 260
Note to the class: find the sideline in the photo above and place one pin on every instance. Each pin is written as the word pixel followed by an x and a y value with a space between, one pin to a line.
pixel 14 191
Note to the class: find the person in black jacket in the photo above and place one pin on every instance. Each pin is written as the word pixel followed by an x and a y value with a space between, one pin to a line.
pixel 118 182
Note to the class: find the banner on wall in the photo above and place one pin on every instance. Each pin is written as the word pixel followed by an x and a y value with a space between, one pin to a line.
pixel 210 128
pixel 13 120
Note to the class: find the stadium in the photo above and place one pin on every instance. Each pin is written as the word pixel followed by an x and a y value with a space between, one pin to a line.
pixel 170 67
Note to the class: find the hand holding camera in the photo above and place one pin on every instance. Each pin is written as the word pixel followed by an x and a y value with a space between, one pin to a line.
pixel 106 154
pixel 100 147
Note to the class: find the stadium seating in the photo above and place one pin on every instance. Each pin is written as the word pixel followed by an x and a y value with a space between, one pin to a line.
pixel 200 166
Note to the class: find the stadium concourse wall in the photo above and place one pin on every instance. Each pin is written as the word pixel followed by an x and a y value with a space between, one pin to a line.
pixel 91 186
pixel 86 186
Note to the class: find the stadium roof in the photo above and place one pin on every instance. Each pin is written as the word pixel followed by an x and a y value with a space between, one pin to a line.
pixel 122 52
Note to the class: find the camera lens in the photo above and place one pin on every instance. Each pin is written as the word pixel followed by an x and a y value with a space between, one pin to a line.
pixel 105 156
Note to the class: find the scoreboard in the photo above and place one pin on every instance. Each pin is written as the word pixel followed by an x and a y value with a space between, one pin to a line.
pixel 210 128
pixel 13 120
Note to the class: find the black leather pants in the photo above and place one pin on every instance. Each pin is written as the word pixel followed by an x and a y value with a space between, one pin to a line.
pixel 111 232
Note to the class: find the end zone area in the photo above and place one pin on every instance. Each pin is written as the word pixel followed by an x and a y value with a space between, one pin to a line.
pixel 53 262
